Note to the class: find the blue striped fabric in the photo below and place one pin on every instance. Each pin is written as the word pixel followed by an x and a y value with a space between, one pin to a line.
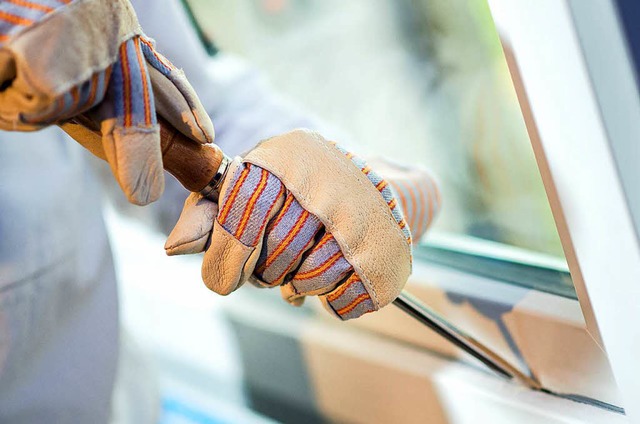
pixel 155 59
pixel 176 76
pixel 383 188
pixel 130 86
pixel 245 210
pixel 351 300
pixel 323 269
pixel 296 250
pixel 129 83
pixel 126 85
pixel 76 100
pixel 420 201
pixel 292 233
pixel 16 15
pixel 408 207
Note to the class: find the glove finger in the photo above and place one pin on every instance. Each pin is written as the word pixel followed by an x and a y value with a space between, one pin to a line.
pixel 175 98
pixel 78 128
pixel 323 268
pixel 130 133
pixel 290 234
pixel 248 202
pixel 40 112
pixel 326 273
pixel 417 192
pixel 72 103
pixel 383 187
pixel 19 15
pixel 349 300
pixel 193 229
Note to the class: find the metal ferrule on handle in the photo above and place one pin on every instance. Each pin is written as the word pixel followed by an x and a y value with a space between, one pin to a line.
pixel 212 190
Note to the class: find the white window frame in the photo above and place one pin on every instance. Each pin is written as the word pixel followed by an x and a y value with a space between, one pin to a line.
pixel 560 48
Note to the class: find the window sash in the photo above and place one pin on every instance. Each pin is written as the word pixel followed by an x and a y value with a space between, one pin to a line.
pixel 560 91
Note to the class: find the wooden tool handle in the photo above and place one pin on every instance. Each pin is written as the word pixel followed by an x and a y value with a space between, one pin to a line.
pixel 192 163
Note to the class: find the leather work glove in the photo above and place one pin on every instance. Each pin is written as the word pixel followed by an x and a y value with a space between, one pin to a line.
pixel 89 60
pixel 301 213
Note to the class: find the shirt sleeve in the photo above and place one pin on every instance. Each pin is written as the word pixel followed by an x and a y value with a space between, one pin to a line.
pixel 243 106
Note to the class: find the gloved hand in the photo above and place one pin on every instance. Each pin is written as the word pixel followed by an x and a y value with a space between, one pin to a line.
pixel 301 213
pixel 59 59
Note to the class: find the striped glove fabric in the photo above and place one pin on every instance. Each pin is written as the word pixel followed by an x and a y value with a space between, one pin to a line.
pixel 329 226
pixel 89 60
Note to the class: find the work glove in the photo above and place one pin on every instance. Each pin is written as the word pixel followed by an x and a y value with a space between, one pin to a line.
pixel 301 213
pixel 89 61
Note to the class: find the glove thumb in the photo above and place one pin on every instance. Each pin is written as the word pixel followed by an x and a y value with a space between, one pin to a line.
pixel 130 132
pixel 193 229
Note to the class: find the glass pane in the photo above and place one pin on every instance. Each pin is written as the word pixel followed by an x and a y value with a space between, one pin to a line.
pixel 417 81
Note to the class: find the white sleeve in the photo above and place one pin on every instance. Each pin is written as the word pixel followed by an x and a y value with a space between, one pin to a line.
pixel 244 108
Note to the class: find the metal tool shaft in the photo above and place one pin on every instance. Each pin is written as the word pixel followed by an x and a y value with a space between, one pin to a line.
pixel 418 310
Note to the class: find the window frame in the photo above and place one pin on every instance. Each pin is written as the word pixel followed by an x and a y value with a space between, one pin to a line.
pixel 566 94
